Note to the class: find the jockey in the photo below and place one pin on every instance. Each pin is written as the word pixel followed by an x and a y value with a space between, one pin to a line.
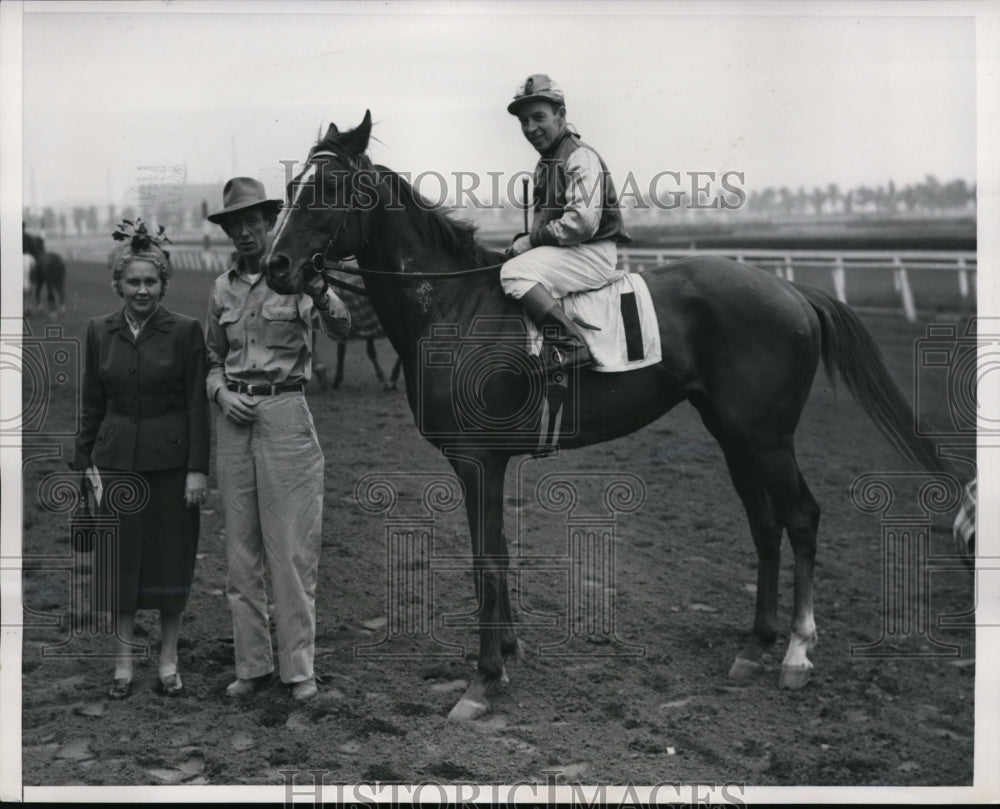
pixel 577 223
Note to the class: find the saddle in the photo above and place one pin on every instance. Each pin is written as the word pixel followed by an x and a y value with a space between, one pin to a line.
pixel 621 330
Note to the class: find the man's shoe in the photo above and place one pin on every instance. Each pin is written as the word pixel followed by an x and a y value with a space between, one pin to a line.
pixel 244 688
pixel 304 690
pixel 121 687
pixel 171 685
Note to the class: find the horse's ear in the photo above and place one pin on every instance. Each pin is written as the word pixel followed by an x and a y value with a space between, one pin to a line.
pixel 331 132
pixel 358 138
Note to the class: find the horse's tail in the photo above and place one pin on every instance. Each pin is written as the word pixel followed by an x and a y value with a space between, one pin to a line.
pixel 850 352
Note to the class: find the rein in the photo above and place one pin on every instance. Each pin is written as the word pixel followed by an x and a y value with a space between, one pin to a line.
pixel 323 265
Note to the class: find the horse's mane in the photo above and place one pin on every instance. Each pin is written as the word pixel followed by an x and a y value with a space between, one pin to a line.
pixel 432 222
pixel 457 237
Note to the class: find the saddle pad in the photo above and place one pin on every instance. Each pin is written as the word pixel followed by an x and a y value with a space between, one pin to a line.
pixel 629 336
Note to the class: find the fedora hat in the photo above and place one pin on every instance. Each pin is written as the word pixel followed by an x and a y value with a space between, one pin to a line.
pixel 241 193
pixel 535 88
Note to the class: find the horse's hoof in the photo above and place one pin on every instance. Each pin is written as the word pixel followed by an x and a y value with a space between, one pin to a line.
pixel 743 669
pixel 794 677
pixel 468 710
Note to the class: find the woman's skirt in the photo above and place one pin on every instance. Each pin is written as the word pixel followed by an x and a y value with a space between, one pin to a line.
pixel 156 549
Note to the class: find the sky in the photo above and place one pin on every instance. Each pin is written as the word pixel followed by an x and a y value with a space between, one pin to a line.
pixel 117 94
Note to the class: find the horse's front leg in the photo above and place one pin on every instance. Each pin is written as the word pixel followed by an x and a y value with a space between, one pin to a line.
pixel 483 479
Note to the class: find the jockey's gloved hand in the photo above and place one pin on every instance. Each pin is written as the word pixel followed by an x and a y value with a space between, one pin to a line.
pixel 522 244
pixel 315 286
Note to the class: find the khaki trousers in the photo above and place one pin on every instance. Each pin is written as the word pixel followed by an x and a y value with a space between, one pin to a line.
pixel 271 484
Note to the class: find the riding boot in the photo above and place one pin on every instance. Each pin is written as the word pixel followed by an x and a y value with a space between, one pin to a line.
pixel 568 348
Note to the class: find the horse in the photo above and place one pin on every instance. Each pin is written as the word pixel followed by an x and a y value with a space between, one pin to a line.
pixel 738 343
pixel 53 273
pixel 388 384
pixel 365 325
pixel 49 271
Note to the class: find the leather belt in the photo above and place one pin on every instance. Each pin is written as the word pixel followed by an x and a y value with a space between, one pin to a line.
pixel 264 390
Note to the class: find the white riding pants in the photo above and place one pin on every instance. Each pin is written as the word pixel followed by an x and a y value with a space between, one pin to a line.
pixel 562 270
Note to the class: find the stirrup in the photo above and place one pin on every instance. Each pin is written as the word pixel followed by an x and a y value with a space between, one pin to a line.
pixel 563 358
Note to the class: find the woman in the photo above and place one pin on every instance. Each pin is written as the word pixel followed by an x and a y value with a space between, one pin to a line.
pixel 145 412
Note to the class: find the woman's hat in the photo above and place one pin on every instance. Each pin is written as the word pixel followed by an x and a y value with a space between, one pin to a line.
pixel 243 192
pixel 536 87
pixel 138 244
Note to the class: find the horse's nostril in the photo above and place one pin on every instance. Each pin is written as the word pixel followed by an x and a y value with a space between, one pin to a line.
pixel 278 265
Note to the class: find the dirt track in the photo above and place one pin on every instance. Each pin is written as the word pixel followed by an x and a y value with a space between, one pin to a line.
pixel 651 704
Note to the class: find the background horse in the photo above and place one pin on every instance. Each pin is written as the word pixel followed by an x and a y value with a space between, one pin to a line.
pixel 364 325
pixel 48 271
pixel 740 344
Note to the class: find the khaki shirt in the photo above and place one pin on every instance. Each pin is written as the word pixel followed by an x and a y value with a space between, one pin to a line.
pixel 256 336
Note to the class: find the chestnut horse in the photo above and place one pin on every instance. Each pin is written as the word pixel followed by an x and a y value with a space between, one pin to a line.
pixel 739 343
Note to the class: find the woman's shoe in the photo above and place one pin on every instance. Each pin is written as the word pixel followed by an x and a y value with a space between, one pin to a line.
pixel 120 688
pixel 171 685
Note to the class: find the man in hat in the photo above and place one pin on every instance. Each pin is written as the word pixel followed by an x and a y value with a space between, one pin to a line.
pixel 269 462
pixel 577 223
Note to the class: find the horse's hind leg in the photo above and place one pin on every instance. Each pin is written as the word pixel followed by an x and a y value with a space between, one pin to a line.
pixel 50 298
pixel 798 512
pixel 394 376
pixel 766 532
pixel 373 356
pixel 341 351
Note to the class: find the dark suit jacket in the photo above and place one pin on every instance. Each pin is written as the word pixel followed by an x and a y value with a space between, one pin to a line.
pixel 144 403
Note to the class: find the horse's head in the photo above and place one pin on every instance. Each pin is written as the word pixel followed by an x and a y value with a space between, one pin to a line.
pixel 328 203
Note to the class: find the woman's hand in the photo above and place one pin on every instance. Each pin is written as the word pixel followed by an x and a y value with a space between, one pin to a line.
pixel 194 489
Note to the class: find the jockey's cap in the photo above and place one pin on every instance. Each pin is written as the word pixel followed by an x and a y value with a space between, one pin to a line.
pixel 536 87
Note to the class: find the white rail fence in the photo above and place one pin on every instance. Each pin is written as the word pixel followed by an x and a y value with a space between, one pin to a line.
pixel 784 263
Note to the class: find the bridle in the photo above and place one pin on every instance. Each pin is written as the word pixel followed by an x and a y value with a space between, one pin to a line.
pixel 364 225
